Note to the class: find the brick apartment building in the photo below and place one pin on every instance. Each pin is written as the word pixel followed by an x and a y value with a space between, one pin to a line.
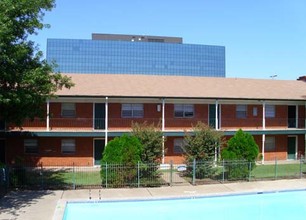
pixel 82 120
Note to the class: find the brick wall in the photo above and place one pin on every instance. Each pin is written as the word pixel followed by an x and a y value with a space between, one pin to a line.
pixel 82 121
pixel 301 116
pixel 230 120
pixel 280 152
pixel 50 152
pixel 116 122
pixel 200 114
pixel 281 118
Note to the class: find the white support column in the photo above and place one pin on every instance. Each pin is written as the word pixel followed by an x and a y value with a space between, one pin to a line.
pixel 305 133
pixel 48 115
pixel 296 147
pixel 220 116
pixel 163 130
pixel 263 149
pixel 264 128
pixel 297 116
pixel 163 114
pixel 216 116
pixel 305 147
pixel 216 155
pixel 264 115
pixel 106 120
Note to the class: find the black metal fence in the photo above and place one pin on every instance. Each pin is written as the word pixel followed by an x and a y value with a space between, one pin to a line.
pixel 145 175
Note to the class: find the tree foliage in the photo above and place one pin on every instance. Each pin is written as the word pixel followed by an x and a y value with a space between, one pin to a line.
pixel 240 154
pixel 241 146
pixel 119 161
pixel 125 150
pixel 151 139
pixel 201 145
pixel 26 79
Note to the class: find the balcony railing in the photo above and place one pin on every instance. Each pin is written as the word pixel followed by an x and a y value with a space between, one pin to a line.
pixel 171 124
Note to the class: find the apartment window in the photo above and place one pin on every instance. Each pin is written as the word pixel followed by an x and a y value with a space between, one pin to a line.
pixel 241 111
pixel 132 111
pixel 183 111
pixel 270 111
pixel 68 146
pixel 68 110
pixel 30 146
pixel 178 147
pixel 270 144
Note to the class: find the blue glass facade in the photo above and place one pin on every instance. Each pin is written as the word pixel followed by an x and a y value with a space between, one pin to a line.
pixel 124 57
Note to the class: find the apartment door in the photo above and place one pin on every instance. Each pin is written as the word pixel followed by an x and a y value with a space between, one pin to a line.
pixel 291 148
pixel 99 145
pixel 212 115
pixel 2 151
pixel 99 121
pixel 292 116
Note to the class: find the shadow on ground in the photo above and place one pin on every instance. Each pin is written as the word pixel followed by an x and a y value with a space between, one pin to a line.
pixel 15 202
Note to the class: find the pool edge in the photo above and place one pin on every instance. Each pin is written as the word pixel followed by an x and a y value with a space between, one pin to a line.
pixel 61 205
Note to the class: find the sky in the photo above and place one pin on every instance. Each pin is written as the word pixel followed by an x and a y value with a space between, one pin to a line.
pixel 262 38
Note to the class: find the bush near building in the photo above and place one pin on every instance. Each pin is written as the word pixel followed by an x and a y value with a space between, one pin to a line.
pixel 241 146
pixel 151 138
pixel 201 145
pixel 124 151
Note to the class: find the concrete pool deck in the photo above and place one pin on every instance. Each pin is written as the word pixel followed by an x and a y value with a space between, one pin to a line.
pixel 37 205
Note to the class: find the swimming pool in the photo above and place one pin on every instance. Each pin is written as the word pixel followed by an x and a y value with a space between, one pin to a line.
pixel 276 205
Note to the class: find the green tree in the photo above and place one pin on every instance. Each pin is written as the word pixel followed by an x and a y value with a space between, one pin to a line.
pixel 26 79
pixel 202 143
pixel 125 150
pixel 241 146
pixel 151 138
pixel 240 155
pixel 201 146
pixel 119 161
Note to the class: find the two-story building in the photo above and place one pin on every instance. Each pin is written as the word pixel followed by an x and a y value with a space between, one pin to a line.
pixel 81 121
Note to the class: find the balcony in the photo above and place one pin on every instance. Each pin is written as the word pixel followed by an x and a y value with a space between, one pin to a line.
pixel 171 124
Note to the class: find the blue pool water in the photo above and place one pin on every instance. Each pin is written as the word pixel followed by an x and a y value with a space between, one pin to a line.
pixel 277 205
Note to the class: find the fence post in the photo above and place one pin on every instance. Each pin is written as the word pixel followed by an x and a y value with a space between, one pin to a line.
pixel 250 170
pixel 138 175
pixel 105 174
pixel 301 171
pixel 41 175
pixel 275 168
pixel 73 170
pixel 171 172
pixel 194 172
pixel 223 170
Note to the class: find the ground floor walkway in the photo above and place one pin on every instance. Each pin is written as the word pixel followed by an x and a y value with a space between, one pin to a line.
pixel 47 205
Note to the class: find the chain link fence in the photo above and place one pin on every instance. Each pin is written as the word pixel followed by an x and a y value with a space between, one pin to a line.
pixel 145 175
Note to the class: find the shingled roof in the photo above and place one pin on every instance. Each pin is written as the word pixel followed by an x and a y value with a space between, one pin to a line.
pixel 123 85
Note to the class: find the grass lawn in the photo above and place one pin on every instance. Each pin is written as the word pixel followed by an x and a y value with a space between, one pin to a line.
pixel 279 171
pixel 65 178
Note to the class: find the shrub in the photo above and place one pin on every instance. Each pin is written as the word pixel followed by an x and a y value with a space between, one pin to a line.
pixel 151 138
pixel 242 147
pixel 201 146
pixel 122 152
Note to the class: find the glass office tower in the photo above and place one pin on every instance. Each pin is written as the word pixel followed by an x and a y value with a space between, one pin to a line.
pixel 130 57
